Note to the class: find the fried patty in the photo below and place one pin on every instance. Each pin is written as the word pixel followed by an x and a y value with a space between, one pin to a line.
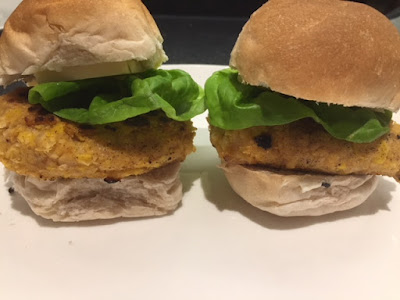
pixel 304 145
pixel 36 143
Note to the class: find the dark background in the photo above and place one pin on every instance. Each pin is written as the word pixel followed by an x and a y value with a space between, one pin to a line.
pixel 227 8
pixel 234 8
pixel 204 32
pixel 200 32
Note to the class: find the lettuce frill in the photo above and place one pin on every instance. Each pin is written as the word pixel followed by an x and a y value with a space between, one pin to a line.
pixel 112 99
pixel 233 105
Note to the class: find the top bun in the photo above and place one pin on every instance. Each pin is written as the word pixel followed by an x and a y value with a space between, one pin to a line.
pixel 48 35
pixel 324 50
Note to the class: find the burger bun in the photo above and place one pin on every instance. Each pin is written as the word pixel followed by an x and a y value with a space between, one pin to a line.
pixel 291 194
pixel 328 51
pixel 95 33
pixel 158 192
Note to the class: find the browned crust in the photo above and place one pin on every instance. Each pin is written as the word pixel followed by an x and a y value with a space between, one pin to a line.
pixel 306 146
pixel 38 144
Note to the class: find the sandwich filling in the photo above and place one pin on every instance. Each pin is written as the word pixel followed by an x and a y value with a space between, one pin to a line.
pixel 234 105
pixel 117 98
pixel 110 127
pixel 36 143
pixel 255 126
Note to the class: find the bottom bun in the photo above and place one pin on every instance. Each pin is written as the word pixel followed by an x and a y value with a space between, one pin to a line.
pixel 298 194
pixel 69 200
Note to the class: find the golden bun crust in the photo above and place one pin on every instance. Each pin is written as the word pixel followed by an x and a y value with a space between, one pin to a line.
pixel 325 50
pixel 43 35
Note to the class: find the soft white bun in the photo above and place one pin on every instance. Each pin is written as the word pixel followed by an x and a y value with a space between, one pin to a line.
pixel 324 50
pixel 298 194
pixel 69 200
pixel 48 35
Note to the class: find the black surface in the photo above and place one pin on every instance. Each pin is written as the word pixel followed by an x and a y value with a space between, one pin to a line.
pixel 220 8
pixel 387 7
pixel 237 8
pixel 199 40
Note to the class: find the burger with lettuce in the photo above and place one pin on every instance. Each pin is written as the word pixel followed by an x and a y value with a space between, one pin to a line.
pixel 302 119
pixel 102 131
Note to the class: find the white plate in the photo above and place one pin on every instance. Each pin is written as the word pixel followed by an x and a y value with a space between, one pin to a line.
pixel 6 8
pixel 215 246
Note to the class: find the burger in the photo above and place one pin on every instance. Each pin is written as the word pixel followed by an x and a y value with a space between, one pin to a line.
pixel 101 132
pixel 302 118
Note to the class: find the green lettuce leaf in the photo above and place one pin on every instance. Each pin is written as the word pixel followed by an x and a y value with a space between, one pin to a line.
pixel 233 105
pixel 113 99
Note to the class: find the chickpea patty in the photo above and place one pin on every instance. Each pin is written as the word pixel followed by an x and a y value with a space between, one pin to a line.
pixel 304 145
pixel 36 143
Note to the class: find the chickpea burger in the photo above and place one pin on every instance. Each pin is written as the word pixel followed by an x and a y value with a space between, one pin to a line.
pixel 302 118
pixel 101 132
